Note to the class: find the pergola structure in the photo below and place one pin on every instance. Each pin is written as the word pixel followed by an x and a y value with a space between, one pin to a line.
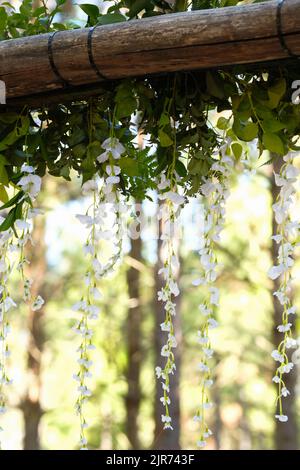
pixel 73 63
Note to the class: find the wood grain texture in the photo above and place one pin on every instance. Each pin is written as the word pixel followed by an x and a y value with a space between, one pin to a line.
pixel 181 41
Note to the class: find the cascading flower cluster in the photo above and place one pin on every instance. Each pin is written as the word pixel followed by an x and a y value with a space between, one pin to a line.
pixel 103 219
pixel 169 213
pixel 14 241
pixel 286 238
pixel 30 184
pixel 215 191
pixel 5 306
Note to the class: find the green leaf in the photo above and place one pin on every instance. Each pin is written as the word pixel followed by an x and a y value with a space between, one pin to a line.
pixel 79 150
pixel 24 127
pixel 3 175
pixel 245 131
pixel 237 150
pixel 125 100
pixel 180 168
pixel 188 139
pixel 65 172
pixel 3 160
pixel 9 118
pixel 126 108
pixel 276 92
pixel 273 143
pixel 273 125
pixel 111 18
pixel 18 210
pixel 8 221
pixel 77 136
pixel 12 201
pixel 222 123
pixel 94 149
pixel 164 120
pixel 214 85
pixel 138 6
pixel 91 10
pixel 3 194
pixel 164 139
pixel 3 19
pixel 129 166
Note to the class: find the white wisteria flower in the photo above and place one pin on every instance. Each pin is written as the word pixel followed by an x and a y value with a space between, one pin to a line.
pixel 282 418
pixel 286 368
pixel 27 168
pixel 22 224
pixel 285 392
pixel 286 238
pixel 215 193
pixel 277 356
pixel 173 196
pixel 103 248
pixel 169 213
pixel 284 328
pixel 275 271
pixel 89 187
pixel 201 443
pixel 31 185
pixel 112 143
pixel 38 303
pixel 164 182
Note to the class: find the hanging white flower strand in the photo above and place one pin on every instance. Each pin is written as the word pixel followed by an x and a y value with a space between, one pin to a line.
pixel 14 241
pixel 103 219
pixel 5 306
pixel 215 191
pixel 286 237
pixel 30 184
pixel 169 214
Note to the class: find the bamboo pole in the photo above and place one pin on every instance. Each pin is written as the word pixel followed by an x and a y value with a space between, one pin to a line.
pixel 181 41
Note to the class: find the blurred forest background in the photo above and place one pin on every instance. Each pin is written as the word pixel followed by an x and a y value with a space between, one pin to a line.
pixel 124 411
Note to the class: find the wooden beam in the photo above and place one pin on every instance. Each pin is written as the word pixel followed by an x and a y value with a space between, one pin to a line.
pixel 181 41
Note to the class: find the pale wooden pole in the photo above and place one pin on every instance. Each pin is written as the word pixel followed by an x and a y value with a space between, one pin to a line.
pixel 180 41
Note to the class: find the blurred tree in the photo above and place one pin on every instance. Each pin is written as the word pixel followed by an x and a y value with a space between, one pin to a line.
pixel 134 353
pixel 286 434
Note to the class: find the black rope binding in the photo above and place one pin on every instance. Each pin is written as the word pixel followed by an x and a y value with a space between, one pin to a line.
pixel 281 37
pixel 90 53
pixel 52 63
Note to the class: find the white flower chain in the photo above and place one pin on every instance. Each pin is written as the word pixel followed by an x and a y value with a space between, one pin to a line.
pixel 30 183
pixel 6 304
pixel 169 214
pixel 288 232
pixel 14 241
pixel 104 221
pixel 215 190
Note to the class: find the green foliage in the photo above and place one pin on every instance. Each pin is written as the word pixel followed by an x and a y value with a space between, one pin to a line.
pixel 65 137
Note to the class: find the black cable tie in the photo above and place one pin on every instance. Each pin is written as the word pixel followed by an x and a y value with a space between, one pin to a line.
pixel 90 53
pixel 51 60
pixel 281 37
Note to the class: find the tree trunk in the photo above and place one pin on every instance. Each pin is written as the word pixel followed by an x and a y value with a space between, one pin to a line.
pixel 166 439
pixel 134 320
pixel 286 435
pixel 31 405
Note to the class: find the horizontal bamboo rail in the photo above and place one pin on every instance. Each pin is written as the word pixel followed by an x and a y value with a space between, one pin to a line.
pixel 181 41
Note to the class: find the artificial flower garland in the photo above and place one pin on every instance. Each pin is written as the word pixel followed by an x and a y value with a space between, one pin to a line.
pixel 14 240
pixel 287 239
pixel 104 221
pixel 215 190
pixel 169 214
